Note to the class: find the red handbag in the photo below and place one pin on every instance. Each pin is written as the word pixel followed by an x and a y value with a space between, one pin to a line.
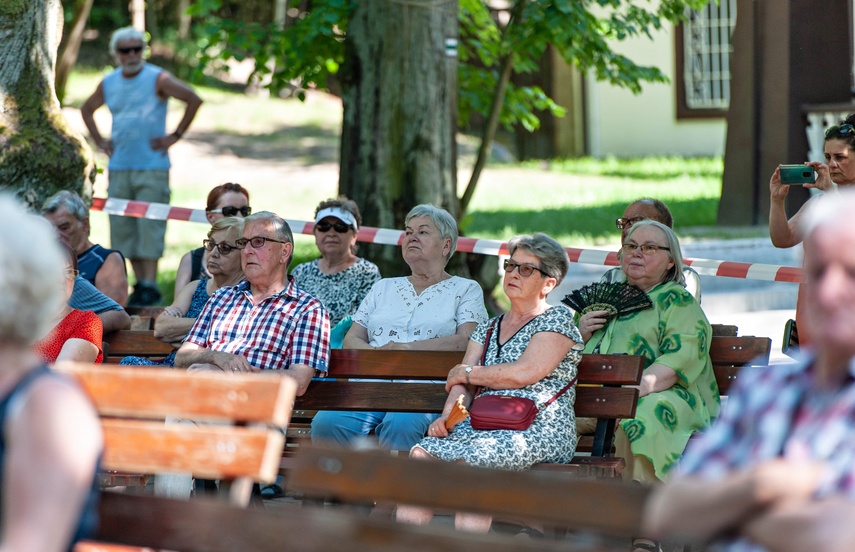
pixel 490 412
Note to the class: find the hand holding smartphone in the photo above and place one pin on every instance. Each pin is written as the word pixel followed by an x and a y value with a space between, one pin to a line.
pixel 797 174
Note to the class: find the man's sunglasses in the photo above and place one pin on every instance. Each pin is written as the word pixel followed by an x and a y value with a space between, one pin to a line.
pixel 622 223
pixel 233 211
pixel 839 130
pixel 339 227
pixel 128 50
pixel 223 248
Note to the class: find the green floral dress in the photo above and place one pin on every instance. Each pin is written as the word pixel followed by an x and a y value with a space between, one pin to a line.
pixel 676 333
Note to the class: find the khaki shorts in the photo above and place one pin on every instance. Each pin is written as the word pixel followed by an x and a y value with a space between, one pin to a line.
pixel 138 238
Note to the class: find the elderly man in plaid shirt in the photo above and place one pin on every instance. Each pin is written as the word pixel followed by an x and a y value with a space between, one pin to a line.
pixel 265 322
pixel 777 470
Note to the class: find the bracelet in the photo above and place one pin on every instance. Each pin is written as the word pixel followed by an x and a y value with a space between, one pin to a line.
pixel 468 371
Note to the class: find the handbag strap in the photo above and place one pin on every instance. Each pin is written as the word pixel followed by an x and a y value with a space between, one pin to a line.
pixel 490 329
pixel 555 396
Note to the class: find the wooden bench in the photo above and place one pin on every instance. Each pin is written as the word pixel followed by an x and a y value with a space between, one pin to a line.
pixel 207 526
pixel 600 395
pixel 141 343
pixel 600 507
pixel 239 437
pixel 729 355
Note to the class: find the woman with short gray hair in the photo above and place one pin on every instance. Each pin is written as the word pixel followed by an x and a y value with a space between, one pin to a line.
pixel 531 352
pixel 429 309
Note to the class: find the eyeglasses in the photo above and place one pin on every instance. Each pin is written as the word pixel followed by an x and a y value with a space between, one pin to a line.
pixel 839 130
pixel 339 227
pixel 257 242
pixel 70 273
pixel 223 247
pixel 525 270
pixel 128 50
pixel 646 248
pixel 623 223
pixel 233 211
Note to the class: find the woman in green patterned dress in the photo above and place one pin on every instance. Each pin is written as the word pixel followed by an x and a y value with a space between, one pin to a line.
pixel 678 392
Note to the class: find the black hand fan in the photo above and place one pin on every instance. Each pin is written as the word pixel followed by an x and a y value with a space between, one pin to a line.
pixel 618 298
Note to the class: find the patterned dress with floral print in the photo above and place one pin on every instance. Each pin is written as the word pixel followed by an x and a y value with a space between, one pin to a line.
pixel 552 436
pixel 342 292
pixel 676 333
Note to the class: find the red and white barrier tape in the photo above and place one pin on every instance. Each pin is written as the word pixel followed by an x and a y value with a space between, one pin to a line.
pixel 728 269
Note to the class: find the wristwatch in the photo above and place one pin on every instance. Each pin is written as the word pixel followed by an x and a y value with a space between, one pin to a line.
pixel 468 371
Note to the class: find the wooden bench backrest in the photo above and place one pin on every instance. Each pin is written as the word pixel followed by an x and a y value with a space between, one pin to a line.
pixel 240 420
pixel 360 476
pixel 595 402
pixel 142 343
pixel 729 355
pixel 202 525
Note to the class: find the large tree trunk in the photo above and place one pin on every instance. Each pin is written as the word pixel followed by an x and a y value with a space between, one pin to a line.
pixel 399 97
pixel 39 153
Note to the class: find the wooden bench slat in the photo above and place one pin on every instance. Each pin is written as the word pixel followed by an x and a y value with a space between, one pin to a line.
pixel 212 452
pixel 434 365
pixel 137 391
pixel 592 402
pixel 365 476
pixel 207 526
pixel 136 342
pixel 740 351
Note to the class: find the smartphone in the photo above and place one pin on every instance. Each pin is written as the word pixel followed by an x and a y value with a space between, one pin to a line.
pixel 797 174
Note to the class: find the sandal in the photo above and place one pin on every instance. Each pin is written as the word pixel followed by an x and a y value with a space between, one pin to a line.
pixel 645 545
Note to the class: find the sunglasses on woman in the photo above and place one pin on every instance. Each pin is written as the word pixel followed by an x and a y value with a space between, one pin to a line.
pixel 223 248
pixel 839 130
pixel 526 270
pixel 339 227
pixel 646 248
pixel 233 211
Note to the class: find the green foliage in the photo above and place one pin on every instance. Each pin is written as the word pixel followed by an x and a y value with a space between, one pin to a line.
pixel 311 48
pixel 305 53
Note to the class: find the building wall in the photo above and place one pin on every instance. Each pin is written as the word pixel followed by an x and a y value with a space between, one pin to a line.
pixel 623 124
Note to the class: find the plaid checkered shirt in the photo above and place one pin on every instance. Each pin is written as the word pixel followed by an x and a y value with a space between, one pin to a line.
pixel 778 412
pixel 291 327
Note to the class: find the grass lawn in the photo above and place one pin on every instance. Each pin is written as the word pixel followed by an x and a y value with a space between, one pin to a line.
pixel 286 153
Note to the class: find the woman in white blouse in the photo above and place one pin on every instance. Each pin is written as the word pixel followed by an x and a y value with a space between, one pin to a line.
pixel 428 310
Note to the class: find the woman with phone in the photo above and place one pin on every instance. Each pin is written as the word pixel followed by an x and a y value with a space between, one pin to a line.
pixel 838 169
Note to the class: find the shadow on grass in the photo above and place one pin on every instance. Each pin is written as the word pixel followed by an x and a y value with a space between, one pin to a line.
pixel 303 144
pixel 596 223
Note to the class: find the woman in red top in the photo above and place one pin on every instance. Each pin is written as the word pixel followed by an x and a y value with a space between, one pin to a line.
pixel 76 335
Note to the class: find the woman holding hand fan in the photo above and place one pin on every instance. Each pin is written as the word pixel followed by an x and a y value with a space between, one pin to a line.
pixel 530 353
pixel 678 391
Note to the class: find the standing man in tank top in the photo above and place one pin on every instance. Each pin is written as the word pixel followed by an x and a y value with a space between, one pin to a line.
pixel 136 94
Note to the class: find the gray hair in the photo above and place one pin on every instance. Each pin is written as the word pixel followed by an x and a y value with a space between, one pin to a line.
pixel 441 218
pixel 72 202
pixel 31 288
pixel 552 256
pixel 126 33
pixel 675 274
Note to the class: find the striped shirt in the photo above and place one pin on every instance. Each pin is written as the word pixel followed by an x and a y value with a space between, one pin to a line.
pixel 291 327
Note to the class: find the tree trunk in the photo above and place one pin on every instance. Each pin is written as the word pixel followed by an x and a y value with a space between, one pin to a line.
pixel 39 153
pixel 399 98
pixel 71 47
